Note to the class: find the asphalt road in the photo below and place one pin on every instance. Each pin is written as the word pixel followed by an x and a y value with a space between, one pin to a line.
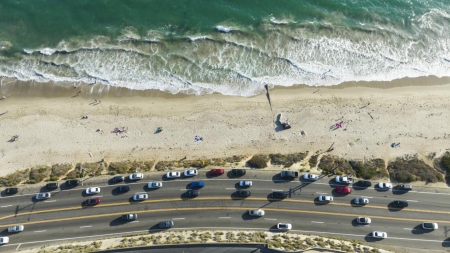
pixel 63 216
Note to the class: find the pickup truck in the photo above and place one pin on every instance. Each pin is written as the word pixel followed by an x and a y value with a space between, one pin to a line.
pixel 344 179
pixel 288 174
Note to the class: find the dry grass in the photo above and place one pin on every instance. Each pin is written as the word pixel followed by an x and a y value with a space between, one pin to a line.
pixel 15 178
pixel 258 161
pixel 38 174
pixel 411 169
pixel 287 160
pixel 369 169
pixel 332 164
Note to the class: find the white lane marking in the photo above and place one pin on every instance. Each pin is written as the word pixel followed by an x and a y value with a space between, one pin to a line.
pixel 7 206
pixel 224 217
pixel 183 189
pixel 317 221
pixel 50 201
pixel 99 196
pixel 86 226
pixel 366 197
pixel 40 231
pixel 230 188
pixel 178 218
pixel 411 200
pixel 324 193
pixel 134 221
pixel 269 219
pixel 409 229
pixel 18 246
pixel 275 190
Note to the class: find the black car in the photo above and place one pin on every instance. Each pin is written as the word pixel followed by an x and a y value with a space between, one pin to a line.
pixel 364 183
pixel 118 179
pixel 191 193
pixel 10 191
pixel 279 195
pixel 238 172
pixel 242 193
pixel 399 203
pixel 123 188
pixel 165 224
pixel 52 186
pixel 73 182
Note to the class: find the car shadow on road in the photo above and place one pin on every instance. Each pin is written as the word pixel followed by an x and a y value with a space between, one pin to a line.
pixel 339 195
pixel 370 238
pixel 117 222
pixel 319 203
pixel 398 192
pixel 5 232
pixel 246 216
pixel 418 230
pixel 332 183
pixel 277 179
pixel 392 208
pixel 446 242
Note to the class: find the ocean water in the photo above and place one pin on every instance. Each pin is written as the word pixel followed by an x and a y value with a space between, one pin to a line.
pixel 231 47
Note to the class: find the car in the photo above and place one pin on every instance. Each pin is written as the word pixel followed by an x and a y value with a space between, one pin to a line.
pixel 364 183
pixel 140 196
pixel 10 191
pixel 173 174
pixel 197 184
pixel 92 202
pixel 92 190
pixel 284 226
pixel 363 220
pixel 385 186
pixel 15 229
pixel 4 240
pixel 122 189
pixel 311 177
pixel 191 193
pixel 73 182
pixel 323 198
pixel 129 217
pixel 166 224
pixel 257 213
pixel 238 172
pixel 429 225
pixel 117 179
pixel 343 190
pixel 43 195
pixel 242 193
pixel 153 185
pixel 245 183
pixel 361 201
pixel 399 203
pixel 136 176
pixel 216 172
pixel 279 195
pixel 52 186
pixel 378 234
pixel 190 173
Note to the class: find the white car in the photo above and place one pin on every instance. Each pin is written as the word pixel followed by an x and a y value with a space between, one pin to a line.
pixel 190 173
pixel 385 186
pixel 4 240
pixel 245 183
pixel 136 176
pixel 173 174
pixel 43 195
pixel 363 220
pixel 153 185
pixel 378 234
pixel 140 196
pixel 361 201
pixel 16 228
pixel 92 190
pixel 284 226
pixel 429 225
pixel 311 177
pixel 323 198
pixel 257 213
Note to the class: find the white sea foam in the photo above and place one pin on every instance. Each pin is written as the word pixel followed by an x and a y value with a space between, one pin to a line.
pixel 192 39
pixel 224 29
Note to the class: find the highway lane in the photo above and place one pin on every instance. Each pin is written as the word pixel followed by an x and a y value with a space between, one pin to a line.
pixel 220 187
pixel 404 233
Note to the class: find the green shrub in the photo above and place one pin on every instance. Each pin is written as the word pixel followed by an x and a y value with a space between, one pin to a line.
pixel 39 174
pixel 411 169
pixel 15 178
pixel 333 164
pixel 313 161
pixel 61 169
pixel 445 162
pixel 369 169
pixel 287 160
pixel 258 161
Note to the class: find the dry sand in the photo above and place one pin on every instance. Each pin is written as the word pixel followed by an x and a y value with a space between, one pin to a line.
pixel 48 122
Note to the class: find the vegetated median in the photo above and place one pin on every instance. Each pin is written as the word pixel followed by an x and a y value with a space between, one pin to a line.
pixel 403 169
pixel 287 241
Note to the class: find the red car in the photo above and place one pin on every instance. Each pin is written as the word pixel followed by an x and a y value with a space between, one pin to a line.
pixel 92 202
pixel 216 172
pixel 343 190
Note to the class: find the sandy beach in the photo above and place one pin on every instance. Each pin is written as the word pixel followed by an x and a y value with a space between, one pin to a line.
pixel 48 120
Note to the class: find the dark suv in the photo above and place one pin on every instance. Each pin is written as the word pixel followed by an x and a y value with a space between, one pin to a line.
pixel 122 189
pixel 238 172
pixel 118 179
pixel 52 186
pixel 364 183
pixel 399 203
pixel 11 191
pixel 279 195
pixel 72 182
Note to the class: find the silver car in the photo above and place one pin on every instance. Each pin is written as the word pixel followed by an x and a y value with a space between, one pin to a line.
pixel 323 198
pixel 429 225
pixel 153 185
pixel 43 195
pixel 311 177
pixel 245 183
pixel 361 201
pixel 378 234
pixel 363 220
pixel 257 212
pixel 140 196
pixel 15 229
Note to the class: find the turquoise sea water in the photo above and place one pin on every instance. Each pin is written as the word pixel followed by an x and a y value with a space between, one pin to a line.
pixel 231 47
